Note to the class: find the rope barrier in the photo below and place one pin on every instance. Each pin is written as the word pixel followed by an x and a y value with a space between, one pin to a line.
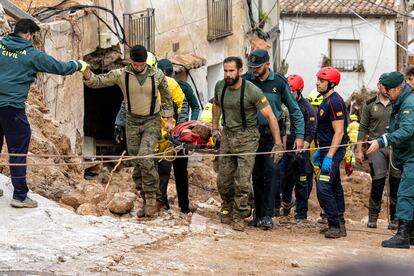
pixel 161 156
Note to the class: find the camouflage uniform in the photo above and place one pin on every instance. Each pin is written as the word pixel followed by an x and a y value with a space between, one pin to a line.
pixel 234 173
pixel 143 129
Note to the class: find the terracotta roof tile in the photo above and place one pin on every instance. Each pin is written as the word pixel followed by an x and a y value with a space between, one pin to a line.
pixel 334 7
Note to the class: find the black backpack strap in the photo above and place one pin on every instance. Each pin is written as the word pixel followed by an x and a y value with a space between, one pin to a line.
pixel 127 90
pixel 154 96
pixel 242 112
pixel 222 103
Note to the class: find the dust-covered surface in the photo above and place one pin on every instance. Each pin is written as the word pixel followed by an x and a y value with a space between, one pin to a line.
pixel 75 232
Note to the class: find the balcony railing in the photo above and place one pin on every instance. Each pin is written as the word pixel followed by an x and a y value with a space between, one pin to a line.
pixel 219 18
pixel 140 29
pixel 348 65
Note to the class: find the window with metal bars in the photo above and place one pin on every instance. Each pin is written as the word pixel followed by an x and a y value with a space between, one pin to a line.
pixel 219 14
pixel 140 29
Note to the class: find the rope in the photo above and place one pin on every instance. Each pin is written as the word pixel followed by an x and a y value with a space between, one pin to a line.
pixel 113 170
pixel 161 156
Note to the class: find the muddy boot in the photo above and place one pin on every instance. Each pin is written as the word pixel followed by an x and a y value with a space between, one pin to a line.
pixel 238 224
pixel 372 221
pixel 333 233
pixel 141 210
pixel 226 217
pixel 393 225
pixel 150 206
pixel 27 203
pixel 255 222
pixel 286 207
pixel 1 192
pixel 342 229
pixel 402 238
pixel 267 223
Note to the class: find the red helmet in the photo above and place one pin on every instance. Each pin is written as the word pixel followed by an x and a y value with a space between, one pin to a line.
pixel 330 74
pixel 295 82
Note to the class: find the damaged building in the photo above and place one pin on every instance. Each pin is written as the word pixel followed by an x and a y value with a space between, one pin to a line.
pixel 196 41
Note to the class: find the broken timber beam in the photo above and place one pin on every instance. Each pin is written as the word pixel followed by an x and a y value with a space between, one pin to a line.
pixel 14 11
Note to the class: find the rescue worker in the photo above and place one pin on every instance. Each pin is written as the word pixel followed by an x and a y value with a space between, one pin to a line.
pixel 266 182
pixel 353 128
pixel 139 84
pixel 315 99
pixel 400 136
pixel 190 98
pixel 332 125
pixel 163 166
pixel 239 101
pixel 179 164
pixel 375 118
pixel 19 64
pixel 296 164
pixel 409 76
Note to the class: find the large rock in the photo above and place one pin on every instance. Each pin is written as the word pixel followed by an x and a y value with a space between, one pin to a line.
pixel 87 209
pixel 73 199
pixel 122 203
pixel 94 193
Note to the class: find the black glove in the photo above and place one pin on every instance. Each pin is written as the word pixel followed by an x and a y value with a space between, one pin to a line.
pixel 119 133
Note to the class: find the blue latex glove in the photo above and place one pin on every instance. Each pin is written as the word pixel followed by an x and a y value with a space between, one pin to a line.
pixel 327 164
pixel 316 159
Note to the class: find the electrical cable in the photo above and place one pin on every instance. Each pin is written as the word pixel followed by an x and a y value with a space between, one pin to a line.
pixel 192 80
pixel 374 27
pixel 56 10
pixel 389 9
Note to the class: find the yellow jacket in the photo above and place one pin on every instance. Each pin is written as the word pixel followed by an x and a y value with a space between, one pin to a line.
pixel 353 131
pixel 178 99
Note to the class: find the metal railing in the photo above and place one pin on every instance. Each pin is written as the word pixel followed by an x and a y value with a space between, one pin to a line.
pixel 140 29
pixel 219 14
pixel 348 65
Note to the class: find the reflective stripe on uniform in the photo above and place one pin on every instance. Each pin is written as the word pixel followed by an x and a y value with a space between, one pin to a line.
pixel 302 178
pixel 324 177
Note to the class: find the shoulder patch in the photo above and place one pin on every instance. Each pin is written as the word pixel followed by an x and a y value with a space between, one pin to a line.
pixel 263 100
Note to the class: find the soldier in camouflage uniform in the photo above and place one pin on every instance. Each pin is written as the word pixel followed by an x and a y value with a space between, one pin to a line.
pixel 139 83
pixel 238 101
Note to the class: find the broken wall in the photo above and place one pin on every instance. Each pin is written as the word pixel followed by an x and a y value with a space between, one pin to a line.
pixel 68 39
pixel 185 22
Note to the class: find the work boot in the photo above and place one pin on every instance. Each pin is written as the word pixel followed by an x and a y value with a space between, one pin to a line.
pixel 393 225
pixel 342 229
pixel 1 192
pixel 226 217
pixel 277 212
pixel 150 206
pixel 238 224
pixel 255 222
pixel 372 221
pixel 333 233
pixel 267 223
pixel 286 207
pixel 412 233
pixel 27 203
pixel 402 238
pixel 322 219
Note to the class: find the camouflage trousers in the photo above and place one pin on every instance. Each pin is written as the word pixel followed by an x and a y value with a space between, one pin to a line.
pixel 234 172
pixel 142 134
